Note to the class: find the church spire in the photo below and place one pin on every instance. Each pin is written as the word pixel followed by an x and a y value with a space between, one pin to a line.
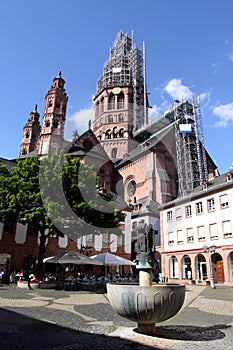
pixel 31 134
pixel 54 117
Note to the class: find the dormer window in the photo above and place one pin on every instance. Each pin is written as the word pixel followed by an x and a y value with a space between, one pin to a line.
pixel 229 177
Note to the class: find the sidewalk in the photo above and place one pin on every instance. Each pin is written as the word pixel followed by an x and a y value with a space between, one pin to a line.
pixel 63 320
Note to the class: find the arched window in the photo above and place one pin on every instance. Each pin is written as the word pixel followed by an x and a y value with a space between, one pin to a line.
pixel 120 118
pixel 131 188
pixel 120 101
pixel 114 153
pixel 102 105
pixel 114 132
pixel 230 264
pixel 97 108
pixel 173 265
pixel 121 132
pixel 111 102
pixel 186 267
pixel 47 123
pixel 110 118
pixel 108 134
pixel 27 135
pixel 201 268
pixel 55 123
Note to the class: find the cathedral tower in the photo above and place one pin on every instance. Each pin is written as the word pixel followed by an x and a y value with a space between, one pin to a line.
pixel 31 134
pixel 54 117
pixel 120 102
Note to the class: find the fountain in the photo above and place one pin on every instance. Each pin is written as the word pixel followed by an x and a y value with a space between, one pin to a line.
pixel 146 302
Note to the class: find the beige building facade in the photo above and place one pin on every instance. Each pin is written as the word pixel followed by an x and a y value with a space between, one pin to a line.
pixel 189 224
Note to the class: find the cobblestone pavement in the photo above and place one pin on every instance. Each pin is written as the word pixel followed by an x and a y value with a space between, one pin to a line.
pixel 70 320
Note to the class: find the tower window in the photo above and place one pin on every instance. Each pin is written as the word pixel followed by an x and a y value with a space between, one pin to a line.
pixel 47 123
pixel 120 118
pixel 120 101
pixel 114 152
pixel 121 132
pixel 55 123
pixel 111 102
pixel 102 105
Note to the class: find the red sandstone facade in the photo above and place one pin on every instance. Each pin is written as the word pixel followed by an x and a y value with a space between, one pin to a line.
pixel 136 160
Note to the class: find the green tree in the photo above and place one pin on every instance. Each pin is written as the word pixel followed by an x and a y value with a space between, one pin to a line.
pixel 60 195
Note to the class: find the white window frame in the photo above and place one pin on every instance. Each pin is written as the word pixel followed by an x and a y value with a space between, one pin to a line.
pixel 210 204
pixel 199 208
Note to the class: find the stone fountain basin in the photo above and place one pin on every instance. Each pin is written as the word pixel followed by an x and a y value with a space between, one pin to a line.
pixel 146 304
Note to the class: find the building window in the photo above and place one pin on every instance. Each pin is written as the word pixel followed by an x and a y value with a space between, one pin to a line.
pixel 169 215
pixel 224 203
pixel 199 208
pixel 213 231
pixel 210 204
pixel 186 267
pixel 97 108
pixel 102 105
pixel 9 227
pixel 120 240
pixel 90 238
pixel 32 230
pixel 131 188
pixel 121 132
pixel 178 214
pixel 180 238
pixel 201 233
pixel 170 238
pixel 188 211
pixel 120 101
pixel 190 236
pixel 227 229
pixel 134 225
pixel 111 102
pixel 173 264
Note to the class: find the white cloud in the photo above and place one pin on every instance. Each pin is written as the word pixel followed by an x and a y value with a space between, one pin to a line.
pixel 177 90
pixel 214 67
pixel 230 57
pixel 225 114
pixel 79 121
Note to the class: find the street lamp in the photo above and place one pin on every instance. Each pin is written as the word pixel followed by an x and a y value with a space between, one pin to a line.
pixel 211 250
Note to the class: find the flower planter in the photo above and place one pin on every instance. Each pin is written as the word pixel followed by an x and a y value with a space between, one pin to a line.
pixel 24 284
pixel 48 285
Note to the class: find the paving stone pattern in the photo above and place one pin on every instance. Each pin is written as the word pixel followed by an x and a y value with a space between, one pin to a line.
pixel 69 320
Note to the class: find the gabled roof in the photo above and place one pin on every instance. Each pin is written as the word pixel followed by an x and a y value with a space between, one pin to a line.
pixel 215 184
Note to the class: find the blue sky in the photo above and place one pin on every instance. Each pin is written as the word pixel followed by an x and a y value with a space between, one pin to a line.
pixel 189 50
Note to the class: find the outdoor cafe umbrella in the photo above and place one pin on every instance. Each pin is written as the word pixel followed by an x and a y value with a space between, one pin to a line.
pixel 71 257
pixel 108 259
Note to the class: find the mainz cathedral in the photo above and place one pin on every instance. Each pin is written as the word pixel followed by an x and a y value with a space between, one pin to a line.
pixel 146 164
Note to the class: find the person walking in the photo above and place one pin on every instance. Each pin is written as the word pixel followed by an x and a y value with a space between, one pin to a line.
pixel 31 278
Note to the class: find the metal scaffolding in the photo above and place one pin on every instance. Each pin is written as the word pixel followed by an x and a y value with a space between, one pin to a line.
pixel 190 149
pixel 126 67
